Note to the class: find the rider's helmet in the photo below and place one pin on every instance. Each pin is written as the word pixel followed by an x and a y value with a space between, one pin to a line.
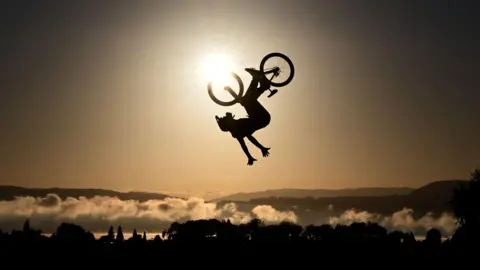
pixel 224 122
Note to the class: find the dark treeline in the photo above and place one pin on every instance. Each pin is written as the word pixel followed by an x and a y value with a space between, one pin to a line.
pixel 258 241
pixel 251 239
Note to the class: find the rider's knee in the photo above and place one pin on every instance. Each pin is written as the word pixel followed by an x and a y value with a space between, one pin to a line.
pixel 264 120
pixel 268 119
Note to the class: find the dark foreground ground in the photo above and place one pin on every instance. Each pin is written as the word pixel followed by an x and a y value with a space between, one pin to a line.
pixel 213 243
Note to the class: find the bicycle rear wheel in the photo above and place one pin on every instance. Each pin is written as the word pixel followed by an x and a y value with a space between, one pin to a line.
pixel 239 92
pixel 278 61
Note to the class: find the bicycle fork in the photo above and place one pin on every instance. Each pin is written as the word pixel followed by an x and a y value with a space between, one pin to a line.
pixel 273 91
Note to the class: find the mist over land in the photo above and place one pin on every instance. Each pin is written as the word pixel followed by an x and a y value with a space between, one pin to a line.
pixel 96 210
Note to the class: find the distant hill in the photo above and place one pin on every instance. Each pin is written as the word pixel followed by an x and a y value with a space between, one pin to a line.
pixel 431 198
pixel 436 195
pixel 8 193
pixel 439 189
pixel 318 193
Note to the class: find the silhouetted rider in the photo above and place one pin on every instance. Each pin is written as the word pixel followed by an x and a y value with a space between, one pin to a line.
pixel 258 116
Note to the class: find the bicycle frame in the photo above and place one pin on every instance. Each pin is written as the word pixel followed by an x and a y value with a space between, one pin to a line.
pixel 274 70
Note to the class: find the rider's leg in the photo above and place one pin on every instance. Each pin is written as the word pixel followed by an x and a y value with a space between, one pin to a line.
pixel 259 77
pixel 254 91
pixel 251 93
pixel 257 113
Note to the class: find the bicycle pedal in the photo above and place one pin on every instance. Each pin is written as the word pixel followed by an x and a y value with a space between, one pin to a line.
pixel 273 92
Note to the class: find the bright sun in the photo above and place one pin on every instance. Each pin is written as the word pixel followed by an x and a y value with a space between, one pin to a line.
pixel 217 67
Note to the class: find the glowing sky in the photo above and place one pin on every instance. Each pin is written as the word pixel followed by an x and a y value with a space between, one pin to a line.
pixel 111 94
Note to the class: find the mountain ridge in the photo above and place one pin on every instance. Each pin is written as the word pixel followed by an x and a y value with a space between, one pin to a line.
pixel 431 199
pixel 9 192
pixel 317 193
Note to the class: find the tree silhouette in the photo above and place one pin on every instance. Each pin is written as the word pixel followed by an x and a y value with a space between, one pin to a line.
pixel 26 226
pixel 466 201
pixel 253 227
pixel 70 232
pixel 111 234
pixel 120 237
pixel 433 237
pixel 172 231
pixel 466 209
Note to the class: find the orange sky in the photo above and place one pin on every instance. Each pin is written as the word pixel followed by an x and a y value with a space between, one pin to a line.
pixel 114 96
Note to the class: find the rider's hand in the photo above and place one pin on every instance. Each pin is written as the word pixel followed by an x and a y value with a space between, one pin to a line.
pixel 265 152
pixel 250 161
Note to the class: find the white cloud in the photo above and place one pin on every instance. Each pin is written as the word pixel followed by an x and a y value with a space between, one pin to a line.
pixel 98 213
pixel 402 220
pixel 269 214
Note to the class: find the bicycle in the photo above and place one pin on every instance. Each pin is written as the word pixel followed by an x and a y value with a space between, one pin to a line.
pixel 275 71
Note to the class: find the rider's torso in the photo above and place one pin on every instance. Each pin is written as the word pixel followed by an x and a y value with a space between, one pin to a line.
pixel 243 127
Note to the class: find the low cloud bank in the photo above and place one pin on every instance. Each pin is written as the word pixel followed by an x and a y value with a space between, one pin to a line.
pixel 98 213
pixel 402 221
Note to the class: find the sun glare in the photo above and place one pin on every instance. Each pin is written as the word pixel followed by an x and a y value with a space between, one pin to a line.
pixel 217 67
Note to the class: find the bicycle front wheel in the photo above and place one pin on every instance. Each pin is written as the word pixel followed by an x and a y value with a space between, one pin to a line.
pixel 282 64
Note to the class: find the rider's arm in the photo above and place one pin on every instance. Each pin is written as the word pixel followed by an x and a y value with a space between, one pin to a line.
pixel 244 147
pixel 255 142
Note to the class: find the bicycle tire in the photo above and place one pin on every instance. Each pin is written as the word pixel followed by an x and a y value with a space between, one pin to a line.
pixel 287 59
pixel 227 103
